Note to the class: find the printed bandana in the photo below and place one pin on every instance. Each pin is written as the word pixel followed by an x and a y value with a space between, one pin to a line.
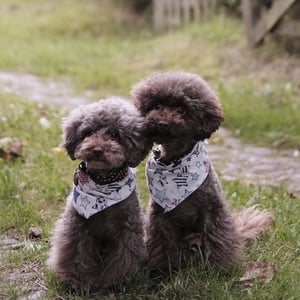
pixel 90 198
pixel 170 185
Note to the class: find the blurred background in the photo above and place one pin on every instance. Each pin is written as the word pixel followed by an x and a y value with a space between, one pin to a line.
pixel 248 51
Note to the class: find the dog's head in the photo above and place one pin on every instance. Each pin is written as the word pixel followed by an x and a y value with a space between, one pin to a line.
pixel 177 105
pixel 106 134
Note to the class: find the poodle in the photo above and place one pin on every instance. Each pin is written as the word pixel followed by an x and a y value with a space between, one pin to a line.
pixel 188 213
pixel 98 240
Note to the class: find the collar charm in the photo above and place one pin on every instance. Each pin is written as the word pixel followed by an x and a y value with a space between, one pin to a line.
pixel 170 185
pixel 90 198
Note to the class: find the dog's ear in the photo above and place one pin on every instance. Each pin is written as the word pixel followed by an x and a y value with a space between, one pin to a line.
pixel 139 145
pixel 139 153
pixel 208 114
pixel 70 132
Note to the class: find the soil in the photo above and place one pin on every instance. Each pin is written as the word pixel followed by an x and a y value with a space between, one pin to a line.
pixel 33 88
pixel 250 164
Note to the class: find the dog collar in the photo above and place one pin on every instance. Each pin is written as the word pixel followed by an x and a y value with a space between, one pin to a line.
pixel 90 198
pixel 169 185
pixel 104 176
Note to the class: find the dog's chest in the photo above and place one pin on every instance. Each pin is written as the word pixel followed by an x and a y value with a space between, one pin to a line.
pixel 108 223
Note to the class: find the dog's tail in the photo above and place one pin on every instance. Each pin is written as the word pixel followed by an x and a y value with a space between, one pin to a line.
pixel 252 222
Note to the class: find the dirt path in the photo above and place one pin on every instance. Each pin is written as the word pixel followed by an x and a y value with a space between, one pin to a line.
pixel 44 91
pixel 258 165
pixel 232 159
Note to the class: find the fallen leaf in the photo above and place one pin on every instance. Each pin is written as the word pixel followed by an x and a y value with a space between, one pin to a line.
pixel 10 148
pixel 57 150
pixel 216 140
pixel 44 123
pixel 258 270
pixel 112 296
pixel 296 153
pixel 34 233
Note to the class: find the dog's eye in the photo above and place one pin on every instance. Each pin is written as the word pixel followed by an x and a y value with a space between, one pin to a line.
pixel 88 132
pixel 181 110
pixel 157 106
pixel 115 134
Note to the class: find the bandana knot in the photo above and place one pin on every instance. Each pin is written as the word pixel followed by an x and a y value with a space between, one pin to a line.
pixel 90 198
pixel 169 185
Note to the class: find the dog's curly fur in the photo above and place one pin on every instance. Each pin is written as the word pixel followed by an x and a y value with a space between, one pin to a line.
pixel 101 251
pixel 180 109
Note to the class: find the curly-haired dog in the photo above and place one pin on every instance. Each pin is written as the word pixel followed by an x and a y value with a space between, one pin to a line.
pixel 98 241
pixel 188 209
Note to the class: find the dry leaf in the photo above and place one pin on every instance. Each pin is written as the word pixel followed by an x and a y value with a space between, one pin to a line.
pixel 57 150
pixel 296 153
pixel 10 148
pixel 44 123
pixel 112 296
pixel 258 270
pixel 216 140
pixel 34 233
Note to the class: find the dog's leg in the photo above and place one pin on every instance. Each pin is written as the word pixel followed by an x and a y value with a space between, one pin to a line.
pixel 123 259
pixel 222 242
pixel 68 257
pixel 156 250
pixel 162 244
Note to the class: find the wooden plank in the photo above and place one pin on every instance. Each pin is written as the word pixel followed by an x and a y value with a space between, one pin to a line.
pixel 186 10
pixel 195 7
pixel 289 28
pixel 169 13
pixel 176 13
pixel 208 7
pixel 248 20
pixel 269 20
pixel 172 13
pixel 158 14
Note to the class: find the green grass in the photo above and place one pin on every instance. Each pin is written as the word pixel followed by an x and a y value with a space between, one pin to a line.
pixel 36 177
pixel 271 119
pixel 107 49
pixel 61 42
pixel 33 193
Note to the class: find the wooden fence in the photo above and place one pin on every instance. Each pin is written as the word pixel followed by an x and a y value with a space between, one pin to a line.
pixel 257 26
pixel 173 13
pixel 259 20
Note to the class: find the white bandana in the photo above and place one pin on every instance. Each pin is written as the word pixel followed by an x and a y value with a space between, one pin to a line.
pixel 170 185
pixel 90 198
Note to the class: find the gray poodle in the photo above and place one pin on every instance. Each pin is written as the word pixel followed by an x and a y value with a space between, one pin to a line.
pixel 188 214
pixel 98 240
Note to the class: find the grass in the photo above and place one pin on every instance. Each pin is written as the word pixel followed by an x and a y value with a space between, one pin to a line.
pixel 62 43
pixel 107 49
pixel 267 119
pixel 87 44
pixel 33 193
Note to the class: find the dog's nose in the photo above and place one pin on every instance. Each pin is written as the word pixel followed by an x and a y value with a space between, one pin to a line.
pixel 97 151
pixel 162 124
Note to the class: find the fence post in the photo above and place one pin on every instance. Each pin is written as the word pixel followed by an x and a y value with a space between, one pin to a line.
pixel 248 20
pixel 172 13
pixel 158 14
pixel 176 13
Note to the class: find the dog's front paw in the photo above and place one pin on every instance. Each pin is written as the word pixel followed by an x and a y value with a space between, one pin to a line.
pixel 191 246
pixel 193 241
